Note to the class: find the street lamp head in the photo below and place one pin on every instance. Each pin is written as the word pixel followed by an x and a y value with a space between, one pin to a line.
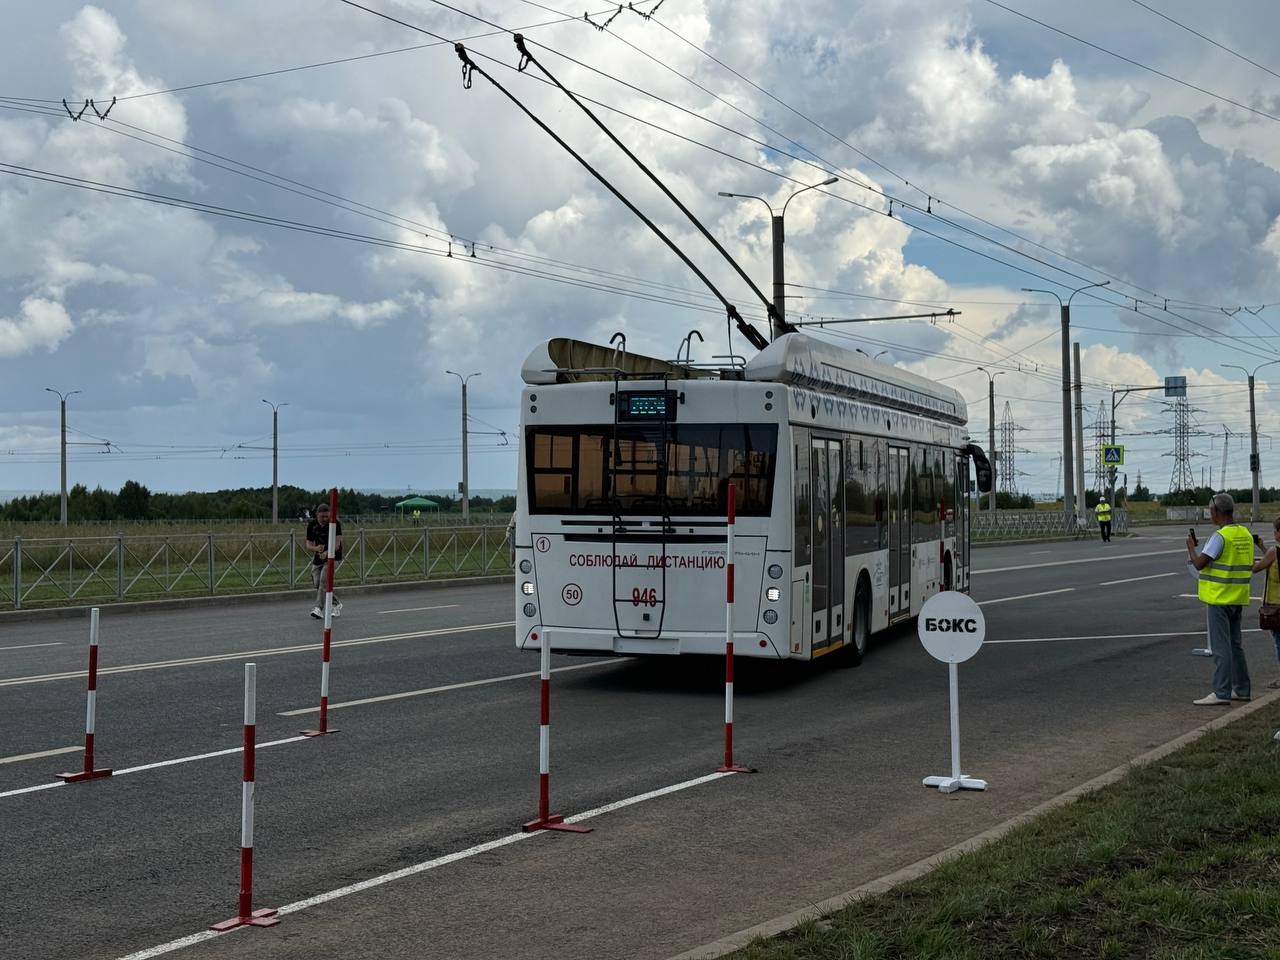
pixel 829 181
pixel 725 193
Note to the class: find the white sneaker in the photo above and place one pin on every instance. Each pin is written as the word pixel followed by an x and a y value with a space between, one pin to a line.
pixel 337 609
pixel 317 613
pixel 1212 700
pixel 1277 735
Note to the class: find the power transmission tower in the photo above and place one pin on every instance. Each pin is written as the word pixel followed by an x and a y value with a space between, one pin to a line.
pixel 1182 478
pixel 1226 443
pixel 1009 452
pixel 1101 435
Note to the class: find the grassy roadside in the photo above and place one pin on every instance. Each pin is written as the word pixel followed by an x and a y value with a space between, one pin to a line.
pixel 1178 860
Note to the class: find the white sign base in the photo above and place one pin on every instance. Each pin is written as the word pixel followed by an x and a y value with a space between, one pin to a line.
pixel 957 780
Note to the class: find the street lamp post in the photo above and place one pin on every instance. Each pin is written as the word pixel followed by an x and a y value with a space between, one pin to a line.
pixel 466 489
pixel 991 431
pixel 1068 451
pixel 1255 465
pixel 62 409
pixel 779 291
pixel 275 456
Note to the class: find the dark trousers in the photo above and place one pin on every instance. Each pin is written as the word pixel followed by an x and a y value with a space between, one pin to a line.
pixel 1104 526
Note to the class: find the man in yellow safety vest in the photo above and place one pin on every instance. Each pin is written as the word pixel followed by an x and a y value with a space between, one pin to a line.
pixel 1226 568
pixel 1103 510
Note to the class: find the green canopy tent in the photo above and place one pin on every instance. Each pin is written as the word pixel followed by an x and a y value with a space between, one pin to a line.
pixel 417 504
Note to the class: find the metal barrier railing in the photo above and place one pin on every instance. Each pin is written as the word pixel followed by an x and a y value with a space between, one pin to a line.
pixel 1036 524
pixel 48 572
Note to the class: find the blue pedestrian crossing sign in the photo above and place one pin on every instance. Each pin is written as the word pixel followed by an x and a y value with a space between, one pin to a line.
pixel 1113 454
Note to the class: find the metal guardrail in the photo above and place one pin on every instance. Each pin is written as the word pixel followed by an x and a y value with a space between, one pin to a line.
pixel 49 572
pixel 1036 524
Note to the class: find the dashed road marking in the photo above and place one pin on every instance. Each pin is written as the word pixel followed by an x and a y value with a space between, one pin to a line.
pixel 449 686
pixel 244 654
pixel 1026 596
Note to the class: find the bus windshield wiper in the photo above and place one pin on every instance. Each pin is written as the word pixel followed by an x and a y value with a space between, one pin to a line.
pixel 753 335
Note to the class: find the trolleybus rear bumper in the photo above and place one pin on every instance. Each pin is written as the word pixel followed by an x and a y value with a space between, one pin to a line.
pixel 575 640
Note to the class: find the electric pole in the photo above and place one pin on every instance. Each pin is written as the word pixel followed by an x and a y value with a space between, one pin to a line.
pixel 62 409
pixel 1255 465
pixel 779 286
pixel 1082 500
pixel 275 458
pixel 464 489
pixel 991 431
pixel 1068 451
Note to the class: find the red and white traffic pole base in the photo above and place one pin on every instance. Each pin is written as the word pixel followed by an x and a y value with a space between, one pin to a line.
pixel 729 766
pixel 89 772
pixel 546 820
pixel 324 729
pixel 246 915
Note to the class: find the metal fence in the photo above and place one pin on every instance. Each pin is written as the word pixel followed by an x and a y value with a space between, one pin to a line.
pixel 1038 524
pixel 50 572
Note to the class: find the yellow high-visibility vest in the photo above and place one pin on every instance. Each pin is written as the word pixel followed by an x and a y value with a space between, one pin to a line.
pixel 1104 510
pixel 1225 581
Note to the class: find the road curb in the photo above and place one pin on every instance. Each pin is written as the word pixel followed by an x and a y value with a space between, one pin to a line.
pixel 770 928
pixel 181 603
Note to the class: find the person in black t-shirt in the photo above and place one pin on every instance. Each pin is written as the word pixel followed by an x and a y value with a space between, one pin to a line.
pixel 318 546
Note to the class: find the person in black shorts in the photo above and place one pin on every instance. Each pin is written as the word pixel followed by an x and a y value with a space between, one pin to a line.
pixel 318 546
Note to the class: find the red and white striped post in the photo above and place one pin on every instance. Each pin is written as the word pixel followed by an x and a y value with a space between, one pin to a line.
pixel 729 766
pixel 89 773
pixel 328 619
pixel 546 819
pixel 248 916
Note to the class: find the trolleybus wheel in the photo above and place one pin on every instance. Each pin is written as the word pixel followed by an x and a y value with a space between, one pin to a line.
pixel 854 651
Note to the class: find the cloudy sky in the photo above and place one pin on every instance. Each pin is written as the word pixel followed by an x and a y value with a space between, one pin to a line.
pixel 1015 157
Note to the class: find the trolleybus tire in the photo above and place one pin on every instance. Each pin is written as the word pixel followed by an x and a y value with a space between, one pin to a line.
pixel 856 648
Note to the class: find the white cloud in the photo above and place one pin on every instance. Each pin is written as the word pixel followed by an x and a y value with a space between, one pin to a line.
pixel 39 324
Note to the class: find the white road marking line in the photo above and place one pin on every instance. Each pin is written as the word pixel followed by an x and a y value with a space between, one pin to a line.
pixel 446 687
pixel 1037 553
pixel 30 646
pixel 443 606
pixel 423 867
pixel 155 766
pixel 1063 563
pixel 1026 596
pixel 1154 576
pixel 43 753
pixel 1108 636
pixel 244 654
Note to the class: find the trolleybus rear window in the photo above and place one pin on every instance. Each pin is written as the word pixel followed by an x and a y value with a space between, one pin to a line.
pixel 570 470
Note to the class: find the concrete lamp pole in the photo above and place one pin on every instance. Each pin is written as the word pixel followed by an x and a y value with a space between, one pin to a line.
pixel 466 490
pixel 62 407
pixel 991 430
pixel 779 292
pixel 1255 465
pixel 1068 449
pixel 275 458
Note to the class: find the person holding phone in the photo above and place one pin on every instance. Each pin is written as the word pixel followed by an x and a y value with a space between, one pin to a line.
pixel 1225 569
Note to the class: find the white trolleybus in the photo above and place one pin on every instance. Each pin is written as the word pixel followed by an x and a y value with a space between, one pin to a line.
pixel 852 485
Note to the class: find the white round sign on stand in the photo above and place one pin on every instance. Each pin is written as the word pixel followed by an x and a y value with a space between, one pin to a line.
pixel 951 629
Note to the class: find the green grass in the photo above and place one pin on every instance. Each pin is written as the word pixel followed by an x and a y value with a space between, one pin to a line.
pixel 1179 860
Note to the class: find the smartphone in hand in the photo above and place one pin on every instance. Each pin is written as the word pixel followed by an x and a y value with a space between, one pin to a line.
pixel 1191 532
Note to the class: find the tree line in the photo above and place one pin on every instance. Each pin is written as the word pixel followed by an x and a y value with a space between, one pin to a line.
pixel 134 502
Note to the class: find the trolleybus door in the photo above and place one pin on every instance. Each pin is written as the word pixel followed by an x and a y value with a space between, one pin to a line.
pixel 827 471
pixel 899 531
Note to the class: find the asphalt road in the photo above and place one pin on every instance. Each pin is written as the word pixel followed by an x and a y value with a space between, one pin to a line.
pixel 1087 664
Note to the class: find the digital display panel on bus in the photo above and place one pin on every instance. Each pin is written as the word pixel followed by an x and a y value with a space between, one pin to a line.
pixel 647 405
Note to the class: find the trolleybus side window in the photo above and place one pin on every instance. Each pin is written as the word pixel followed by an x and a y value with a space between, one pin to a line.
pixel 570 468
pixel 861 490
